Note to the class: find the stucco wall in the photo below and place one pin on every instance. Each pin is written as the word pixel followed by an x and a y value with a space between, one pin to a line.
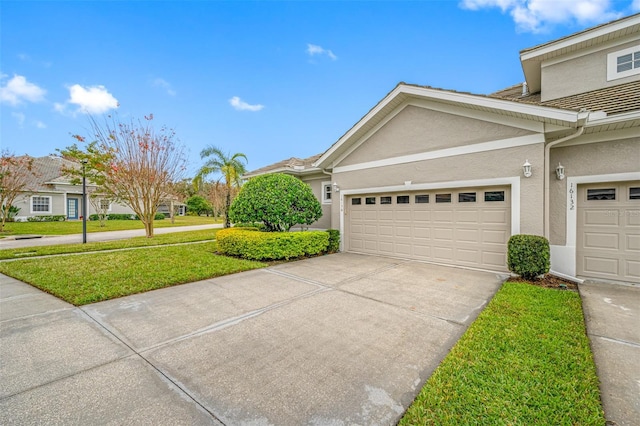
pixel 316 186
pixel 416 129
pixel 581 74
pixel 603 158
pixel 479 166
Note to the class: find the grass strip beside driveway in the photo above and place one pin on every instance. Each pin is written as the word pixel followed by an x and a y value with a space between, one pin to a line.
pixel 89 278
pixel 162 239
pixel 525 360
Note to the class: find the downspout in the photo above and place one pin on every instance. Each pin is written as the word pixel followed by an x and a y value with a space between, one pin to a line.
pixel 547 160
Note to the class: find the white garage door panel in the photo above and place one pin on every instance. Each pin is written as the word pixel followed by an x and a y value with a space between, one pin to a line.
pixel 464 233
pixel 608 243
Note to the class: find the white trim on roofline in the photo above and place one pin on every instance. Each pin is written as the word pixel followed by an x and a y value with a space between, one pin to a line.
pixel 579 38
pixel 287 170
pixel 513 108
pixel 589 50
pixel 513 182
pixel 447 152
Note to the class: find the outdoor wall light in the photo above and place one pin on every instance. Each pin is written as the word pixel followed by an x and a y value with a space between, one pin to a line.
pixel 560 171
pixel 335 187
pixel 526 169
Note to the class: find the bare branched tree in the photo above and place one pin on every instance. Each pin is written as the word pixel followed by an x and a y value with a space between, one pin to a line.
pixel 135 163
pixel 16 178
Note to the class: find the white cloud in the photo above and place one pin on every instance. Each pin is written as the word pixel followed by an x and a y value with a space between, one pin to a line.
pixel 164 84
pixel 241 105
pixel 90 100
pixel 313 49
pixel 39 124
pixel 635 6
pixel 537 15
pixel 18 90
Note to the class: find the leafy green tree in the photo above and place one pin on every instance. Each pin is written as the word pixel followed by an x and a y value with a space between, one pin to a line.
pixel 230 167
pixel 199 205
pixel 278 200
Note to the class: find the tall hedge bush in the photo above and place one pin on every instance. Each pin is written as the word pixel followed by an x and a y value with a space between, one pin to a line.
pixel 528 255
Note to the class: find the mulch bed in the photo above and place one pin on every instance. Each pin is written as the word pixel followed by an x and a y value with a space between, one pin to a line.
pixel 548 281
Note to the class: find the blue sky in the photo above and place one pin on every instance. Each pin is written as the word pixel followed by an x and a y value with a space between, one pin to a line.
pixel 270 79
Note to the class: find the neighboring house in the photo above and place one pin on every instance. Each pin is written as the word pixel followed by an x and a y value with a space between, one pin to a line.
pixel 448 177
pixel 52 193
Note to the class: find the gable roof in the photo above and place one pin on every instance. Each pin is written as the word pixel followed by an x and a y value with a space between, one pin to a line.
pixel 293 166
pixel 404 92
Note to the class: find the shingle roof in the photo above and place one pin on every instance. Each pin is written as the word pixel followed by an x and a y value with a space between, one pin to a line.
pixel 48 170
pixel 612 100
pixel 293 164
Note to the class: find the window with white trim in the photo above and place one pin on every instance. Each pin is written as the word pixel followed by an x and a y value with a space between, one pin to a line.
pixel 40 204
pixel 623 63
pixel 105 205
pixel 327 191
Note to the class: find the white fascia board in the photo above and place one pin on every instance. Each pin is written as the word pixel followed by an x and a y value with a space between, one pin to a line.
pixel 603 119
pixel 579 38
pixel 447 152
pixel 497 105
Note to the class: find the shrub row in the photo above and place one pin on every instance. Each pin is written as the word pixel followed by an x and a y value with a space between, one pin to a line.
pixel 255 245
pixel 49 218
pixel 528 255
pixel 124 216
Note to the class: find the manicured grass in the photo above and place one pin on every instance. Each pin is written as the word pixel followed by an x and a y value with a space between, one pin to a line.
pixel 88 278
pixel 525 361
pixel 164 239
pixel 75 227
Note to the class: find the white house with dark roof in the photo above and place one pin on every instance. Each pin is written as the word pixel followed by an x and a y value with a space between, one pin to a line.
pixel 447 177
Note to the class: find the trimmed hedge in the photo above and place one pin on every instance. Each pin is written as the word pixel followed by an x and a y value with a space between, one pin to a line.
pixel 50 218
pixel 334 240
pixel 528 255
pixel 255 245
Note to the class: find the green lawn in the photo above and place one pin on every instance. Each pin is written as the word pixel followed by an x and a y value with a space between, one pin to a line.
pixel 163 239
pixel 87 278
pixel 75 227
pixel 526 360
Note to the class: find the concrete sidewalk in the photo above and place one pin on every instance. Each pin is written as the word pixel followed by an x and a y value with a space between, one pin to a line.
pixel 49 240
pixel 612 315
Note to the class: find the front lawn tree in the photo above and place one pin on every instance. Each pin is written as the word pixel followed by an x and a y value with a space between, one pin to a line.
pixel 16 178
pixel 231 168
pixel 133 162
pixel 278 200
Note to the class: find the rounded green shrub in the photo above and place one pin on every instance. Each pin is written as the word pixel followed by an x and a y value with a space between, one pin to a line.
pixel 528 255
pixel 278 200
pixel 334 240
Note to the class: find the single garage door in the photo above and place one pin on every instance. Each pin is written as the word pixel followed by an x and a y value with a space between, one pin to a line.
pixel 608 237
pixel 467 227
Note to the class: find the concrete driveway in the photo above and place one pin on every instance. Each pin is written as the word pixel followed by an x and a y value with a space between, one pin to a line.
pixel 335 340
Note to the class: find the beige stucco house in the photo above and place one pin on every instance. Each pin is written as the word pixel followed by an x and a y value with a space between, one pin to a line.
pixel 447 177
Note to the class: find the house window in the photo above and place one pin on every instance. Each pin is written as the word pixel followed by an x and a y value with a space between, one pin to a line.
pixel 601 194
pixel 634 193
pixel 402 199
pixel 356 201
pixel 105 205
pixel 385 200
pixel 422 199
pixel 467 197
pixel 443 198
pixel 40 204
pixel 370 200
pixel 494 196
pixel 623 63
pixel 326 192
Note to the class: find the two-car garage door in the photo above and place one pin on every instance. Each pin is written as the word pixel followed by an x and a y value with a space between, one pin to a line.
pixel 466 227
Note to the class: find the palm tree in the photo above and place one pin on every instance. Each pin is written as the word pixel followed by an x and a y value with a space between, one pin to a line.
pixel 229 166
